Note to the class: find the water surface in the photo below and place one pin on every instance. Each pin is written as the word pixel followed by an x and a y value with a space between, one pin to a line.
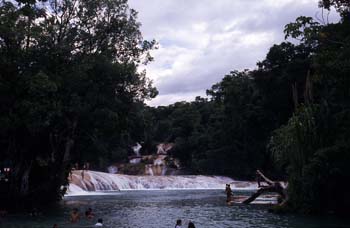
pixel 153 209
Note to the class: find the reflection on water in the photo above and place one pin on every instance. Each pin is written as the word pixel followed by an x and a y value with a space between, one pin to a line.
pixel 144 209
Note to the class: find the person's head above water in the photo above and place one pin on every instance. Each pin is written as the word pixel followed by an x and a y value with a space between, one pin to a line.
pixel 191 225
pixel 178 222
pixel 88 211
pixel 75 211
pixel 99 223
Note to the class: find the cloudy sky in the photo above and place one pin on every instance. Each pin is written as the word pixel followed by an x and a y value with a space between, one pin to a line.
pixel 202 40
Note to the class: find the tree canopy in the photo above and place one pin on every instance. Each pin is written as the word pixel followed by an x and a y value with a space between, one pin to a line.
pixel 68 79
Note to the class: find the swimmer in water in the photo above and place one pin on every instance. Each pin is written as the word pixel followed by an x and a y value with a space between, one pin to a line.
pixel 191 225
pixel 89 214
pixel 99 223
pixel 178 223
pixel 74 216
pixel 229 194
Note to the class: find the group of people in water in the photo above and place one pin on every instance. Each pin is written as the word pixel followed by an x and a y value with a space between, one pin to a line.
pixel 179 224
pixel 89 215
pixel 75 217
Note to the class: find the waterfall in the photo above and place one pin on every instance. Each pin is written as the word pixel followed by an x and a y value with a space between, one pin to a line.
pixel 164 170
pixel 163 148
pixel 137 149
pixel 149 170
pixel 98 181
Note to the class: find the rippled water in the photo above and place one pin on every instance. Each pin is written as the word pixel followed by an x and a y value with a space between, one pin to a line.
pixel 142 209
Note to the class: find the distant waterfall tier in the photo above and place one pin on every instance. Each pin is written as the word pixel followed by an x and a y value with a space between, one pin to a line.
pixel 91 181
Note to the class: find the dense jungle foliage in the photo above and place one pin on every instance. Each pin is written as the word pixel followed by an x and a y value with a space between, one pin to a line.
pixel 68 81
pixel 71 93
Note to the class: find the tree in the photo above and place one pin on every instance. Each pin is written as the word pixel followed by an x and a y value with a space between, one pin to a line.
pixel 312 146
pixel 68 79
pixel 342 6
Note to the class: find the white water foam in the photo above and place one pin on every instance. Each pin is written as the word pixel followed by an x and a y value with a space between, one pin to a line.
pixel 97 182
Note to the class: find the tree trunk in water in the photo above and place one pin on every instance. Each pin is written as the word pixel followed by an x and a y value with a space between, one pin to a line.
pixel 272 186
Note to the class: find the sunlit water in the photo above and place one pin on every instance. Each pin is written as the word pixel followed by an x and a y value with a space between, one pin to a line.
pixel 142 209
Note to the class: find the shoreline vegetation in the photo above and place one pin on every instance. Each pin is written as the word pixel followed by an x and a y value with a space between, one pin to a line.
pixel 71 93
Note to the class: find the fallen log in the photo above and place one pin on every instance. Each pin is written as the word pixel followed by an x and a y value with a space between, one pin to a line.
pixel 272 186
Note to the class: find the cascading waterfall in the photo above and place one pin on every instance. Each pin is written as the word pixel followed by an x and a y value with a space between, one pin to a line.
pixel 137 149
pixel 97 181
pixel 164 170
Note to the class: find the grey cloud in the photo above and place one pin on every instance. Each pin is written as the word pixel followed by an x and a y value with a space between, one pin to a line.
pixel 201 41
pixel 210 68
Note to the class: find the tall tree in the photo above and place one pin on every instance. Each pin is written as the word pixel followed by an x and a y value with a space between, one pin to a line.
pixel 68 79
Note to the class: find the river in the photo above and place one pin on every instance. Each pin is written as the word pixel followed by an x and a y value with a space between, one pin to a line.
pixel 161 208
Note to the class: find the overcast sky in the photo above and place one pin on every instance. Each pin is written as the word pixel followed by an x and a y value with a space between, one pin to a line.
pixel 202 40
